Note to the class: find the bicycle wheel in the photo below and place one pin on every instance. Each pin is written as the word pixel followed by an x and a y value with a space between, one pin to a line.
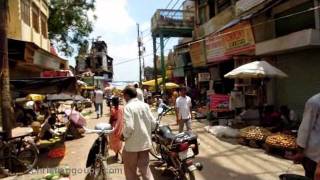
pixel 25 158
pixel 100 171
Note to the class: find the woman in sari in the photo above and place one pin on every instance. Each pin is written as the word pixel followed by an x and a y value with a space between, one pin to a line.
pixel 116 121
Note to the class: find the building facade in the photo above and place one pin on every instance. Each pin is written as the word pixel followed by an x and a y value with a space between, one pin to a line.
pixel 230 33
pixel 28 21
pixel 28 43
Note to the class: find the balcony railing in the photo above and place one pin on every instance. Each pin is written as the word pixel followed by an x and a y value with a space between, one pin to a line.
pixel 172 19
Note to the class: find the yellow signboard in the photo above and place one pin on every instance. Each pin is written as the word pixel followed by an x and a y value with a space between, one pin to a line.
pixel 236 40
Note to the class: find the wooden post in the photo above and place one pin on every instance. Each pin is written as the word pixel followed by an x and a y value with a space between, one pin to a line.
pixel 6 109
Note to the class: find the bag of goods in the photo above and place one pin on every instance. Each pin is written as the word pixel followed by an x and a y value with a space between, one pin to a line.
pixel 283 141
pixel 222 131
pixel 255 133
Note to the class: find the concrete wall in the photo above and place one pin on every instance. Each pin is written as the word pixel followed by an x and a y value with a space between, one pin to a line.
pixel 303 82
pixel 216 22
pixel 263 31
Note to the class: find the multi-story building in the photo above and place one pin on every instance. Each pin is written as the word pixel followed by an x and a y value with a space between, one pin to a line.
pixel 229 33
pixel 98 62
pixel 28 43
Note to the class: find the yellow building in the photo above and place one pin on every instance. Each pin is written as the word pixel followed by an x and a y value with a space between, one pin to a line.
pixel 28 22
pixel 28 43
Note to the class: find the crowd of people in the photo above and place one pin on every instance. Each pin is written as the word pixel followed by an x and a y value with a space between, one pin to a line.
pixel 134 122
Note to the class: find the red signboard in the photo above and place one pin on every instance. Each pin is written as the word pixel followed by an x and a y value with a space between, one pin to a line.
pixel 235 40
pixel 219 102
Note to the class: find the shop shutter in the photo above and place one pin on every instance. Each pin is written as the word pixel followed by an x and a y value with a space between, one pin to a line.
pixel 303 69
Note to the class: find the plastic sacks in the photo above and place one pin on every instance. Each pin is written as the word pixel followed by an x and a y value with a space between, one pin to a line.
pixel 222 131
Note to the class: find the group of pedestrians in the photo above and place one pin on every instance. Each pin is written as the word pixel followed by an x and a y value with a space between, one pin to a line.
pixel 133 124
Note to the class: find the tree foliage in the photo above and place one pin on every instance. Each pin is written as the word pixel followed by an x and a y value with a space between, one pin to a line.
pixel 69 25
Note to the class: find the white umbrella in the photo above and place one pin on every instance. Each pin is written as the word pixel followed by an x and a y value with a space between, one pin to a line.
pixel 256 69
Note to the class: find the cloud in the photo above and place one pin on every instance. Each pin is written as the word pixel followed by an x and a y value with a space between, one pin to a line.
pixel 112 17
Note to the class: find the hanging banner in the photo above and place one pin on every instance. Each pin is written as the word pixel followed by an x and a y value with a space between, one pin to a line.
pixel 235 40
pixel 197 54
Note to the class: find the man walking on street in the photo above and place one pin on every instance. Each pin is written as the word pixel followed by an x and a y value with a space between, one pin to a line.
pixel 308 137
pixel 138 125
pixel 183 108
pixel 139 92
pixel 98 102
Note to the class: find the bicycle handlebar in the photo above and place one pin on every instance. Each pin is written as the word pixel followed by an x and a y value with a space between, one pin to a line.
pixel 91 131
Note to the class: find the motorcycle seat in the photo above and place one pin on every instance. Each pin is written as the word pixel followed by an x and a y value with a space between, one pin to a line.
pixel 103 126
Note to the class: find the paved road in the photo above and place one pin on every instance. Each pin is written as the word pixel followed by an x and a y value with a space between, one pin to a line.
pixel 222 158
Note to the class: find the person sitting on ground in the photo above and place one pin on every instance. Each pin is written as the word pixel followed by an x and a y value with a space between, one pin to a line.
pixel 77 123
pixel 47 127
pixel 288 117
pixel 116 121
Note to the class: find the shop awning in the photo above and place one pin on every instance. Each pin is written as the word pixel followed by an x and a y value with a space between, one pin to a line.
pixel 45 85
pixel 171 85
pixel 256 69
pixel 152 82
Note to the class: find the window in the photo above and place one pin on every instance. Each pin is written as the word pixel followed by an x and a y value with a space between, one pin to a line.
pixel 202 11
pixel 44 22
pixel 223 4
pixel 25 11
pixel 212 8
pixel 295 23
pixel 35 17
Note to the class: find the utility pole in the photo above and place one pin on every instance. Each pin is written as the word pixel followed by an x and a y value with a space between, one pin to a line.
pixel 155 71
pixel 5 97
pixel 139 53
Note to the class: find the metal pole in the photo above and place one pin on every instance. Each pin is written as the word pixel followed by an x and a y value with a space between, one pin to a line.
pixel 155 71
pixel 317 14
pixel 163 69
pixel 139 53
pixel 5 119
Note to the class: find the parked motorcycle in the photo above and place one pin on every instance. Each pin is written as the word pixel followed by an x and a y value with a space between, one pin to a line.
pixel 177 151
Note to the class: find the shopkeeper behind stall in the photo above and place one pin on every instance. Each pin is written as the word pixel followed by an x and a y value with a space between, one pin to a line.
pixel 47 127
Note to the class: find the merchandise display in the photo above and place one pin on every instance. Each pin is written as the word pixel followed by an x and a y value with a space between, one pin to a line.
pixel 283 141
pixel 254 133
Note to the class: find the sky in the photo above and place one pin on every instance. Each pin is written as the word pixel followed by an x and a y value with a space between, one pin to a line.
pixel 116 24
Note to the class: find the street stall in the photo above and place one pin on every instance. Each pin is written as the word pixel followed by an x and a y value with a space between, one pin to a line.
pixel 250 98
pixel 273 127
pixel 50 126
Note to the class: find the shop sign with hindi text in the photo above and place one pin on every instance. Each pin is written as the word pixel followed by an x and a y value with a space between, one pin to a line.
pixel 235 40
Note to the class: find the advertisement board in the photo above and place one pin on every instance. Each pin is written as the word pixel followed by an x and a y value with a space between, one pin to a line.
pixel 235 40
pixel 219 102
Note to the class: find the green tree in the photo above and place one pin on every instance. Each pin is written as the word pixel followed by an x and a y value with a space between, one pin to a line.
pixel 69 25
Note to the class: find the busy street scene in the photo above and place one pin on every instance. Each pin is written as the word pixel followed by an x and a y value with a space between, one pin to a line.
pixel 159 90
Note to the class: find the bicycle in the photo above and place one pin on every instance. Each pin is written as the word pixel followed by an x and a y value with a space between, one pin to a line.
pixel 17 155
pixel 97 157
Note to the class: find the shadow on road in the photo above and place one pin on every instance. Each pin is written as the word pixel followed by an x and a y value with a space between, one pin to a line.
pixel 212 170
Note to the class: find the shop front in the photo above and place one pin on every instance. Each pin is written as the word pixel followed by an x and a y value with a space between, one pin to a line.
pixel 223 50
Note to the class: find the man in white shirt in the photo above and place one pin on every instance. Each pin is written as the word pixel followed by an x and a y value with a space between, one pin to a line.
pixel 139 92
pixel 98 102
pixel 138 125
pixel 183 108
pixel 308 136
